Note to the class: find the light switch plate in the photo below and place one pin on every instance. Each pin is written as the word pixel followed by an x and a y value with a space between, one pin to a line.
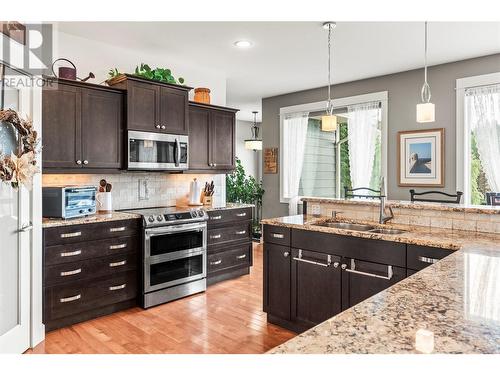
pixel 315 209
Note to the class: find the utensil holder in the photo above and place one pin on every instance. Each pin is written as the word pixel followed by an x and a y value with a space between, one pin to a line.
pixel 207 200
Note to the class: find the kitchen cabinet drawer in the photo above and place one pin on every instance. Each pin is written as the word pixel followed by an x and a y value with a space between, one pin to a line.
pixel 369 250
pixel 87 250
pixel 217 217
pixel 90 268
pixel 72 299
pixel 239 232
pixel 235 257
pixel 86 232
pixel 419 257
pixel 277 235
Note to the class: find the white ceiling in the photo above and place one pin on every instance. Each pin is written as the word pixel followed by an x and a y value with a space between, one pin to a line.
pixel 291 56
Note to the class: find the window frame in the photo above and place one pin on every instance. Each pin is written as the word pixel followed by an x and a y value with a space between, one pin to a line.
pixel 463 139
pixel 381 96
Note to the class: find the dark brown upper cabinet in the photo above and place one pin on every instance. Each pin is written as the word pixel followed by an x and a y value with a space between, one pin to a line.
pixel 82 126
pixel 211 137
pixel 154 106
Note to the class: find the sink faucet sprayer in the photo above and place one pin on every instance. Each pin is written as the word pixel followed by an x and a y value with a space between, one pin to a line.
pixel 384 218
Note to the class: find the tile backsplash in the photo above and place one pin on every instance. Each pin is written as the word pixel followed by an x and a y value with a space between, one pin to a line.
pixel 164 189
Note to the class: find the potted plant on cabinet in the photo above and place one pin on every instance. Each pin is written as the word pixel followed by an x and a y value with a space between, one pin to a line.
pixel 241 188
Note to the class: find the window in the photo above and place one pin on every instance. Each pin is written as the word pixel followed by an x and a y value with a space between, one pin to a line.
pixel 320 163
pixel 478 138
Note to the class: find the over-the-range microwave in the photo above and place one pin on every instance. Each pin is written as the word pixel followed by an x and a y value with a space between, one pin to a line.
pixel 156 151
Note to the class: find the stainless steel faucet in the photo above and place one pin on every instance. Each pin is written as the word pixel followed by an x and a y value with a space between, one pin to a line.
pixel 383 217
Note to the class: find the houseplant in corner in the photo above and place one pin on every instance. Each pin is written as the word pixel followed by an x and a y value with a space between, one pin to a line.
pixel 241 188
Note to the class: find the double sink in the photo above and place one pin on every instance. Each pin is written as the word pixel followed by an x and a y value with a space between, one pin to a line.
pixel 360 227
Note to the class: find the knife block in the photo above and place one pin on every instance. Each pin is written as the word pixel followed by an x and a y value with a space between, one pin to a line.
pixel 207 200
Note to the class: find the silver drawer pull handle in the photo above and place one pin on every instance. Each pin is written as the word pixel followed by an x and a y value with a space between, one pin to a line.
pixel 69 273
pixel 215 262
pixel 215 236
pixel 241 256
pixel 120 246
pixel 69 299
pixel 117 287
pixel 300 259
pixel 428 260
pixel 118 229
pixel 116 264
pixel 241 232
pixel 277 235
pixel 353 270
pixel 216 217
pixel 241 214
pixel 69 235
pixel 71 253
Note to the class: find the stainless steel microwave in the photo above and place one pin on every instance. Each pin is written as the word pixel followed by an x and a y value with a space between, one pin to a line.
pixel 156 151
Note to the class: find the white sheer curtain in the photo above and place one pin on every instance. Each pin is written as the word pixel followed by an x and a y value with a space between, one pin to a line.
pixel 362 133
pixel 294 141
pixel 484 115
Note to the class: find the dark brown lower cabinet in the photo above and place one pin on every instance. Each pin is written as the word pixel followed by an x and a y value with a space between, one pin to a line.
pixel 361 280
pixel 316 287
pixel 311 276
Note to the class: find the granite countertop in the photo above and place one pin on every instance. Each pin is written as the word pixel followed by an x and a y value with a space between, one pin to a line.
pixel 468 208
pixel 230 206
pixel 97 218
pixel 456 300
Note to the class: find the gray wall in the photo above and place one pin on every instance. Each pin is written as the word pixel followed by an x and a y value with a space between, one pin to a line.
pixel 404 93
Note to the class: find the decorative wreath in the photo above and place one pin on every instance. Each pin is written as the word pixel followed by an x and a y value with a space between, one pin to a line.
pixel 18 169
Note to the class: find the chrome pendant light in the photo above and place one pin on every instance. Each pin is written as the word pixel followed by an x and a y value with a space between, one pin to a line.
pixel 329 121
pixel 255 143
pixel 426 109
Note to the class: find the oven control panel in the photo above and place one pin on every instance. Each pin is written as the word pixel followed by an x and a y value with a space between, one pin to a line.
pixel 176 216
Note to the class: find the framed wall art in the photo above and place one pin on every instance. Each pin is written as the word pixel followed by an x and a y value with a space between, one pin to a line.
pixel 421 158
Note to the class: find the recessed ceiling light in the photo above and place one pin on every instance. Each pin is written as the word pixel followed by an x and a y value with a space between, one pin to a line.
pixel 243 44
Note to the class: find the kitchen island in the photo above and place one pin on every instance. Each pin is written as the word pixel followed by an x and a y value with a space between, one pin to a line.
pixel 456 300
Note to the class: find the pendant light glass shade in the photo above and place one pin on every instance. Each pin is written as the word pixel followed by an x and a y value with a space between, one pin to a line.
pixel 255 143
pixel 426 111
pixel 329 120
pixel 329 123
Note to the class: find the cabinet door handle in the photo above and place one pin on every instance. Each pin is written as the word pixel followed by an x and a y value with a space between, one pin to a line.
pixel 216 217
pixel 69 299
pixel 71 253
pixel 241 232
pixel 215 236
pixel 163 127
pixel 427 260
pixel 215 165
pixel 120 246
pixel 157 126
pixel 286 254
pixel 277 235
pixel 117 287
pixel 241 256
pixel 85 162
pixel 79 162
pixel 116 264
pixel 300 259
pixel 118 229
pixel 353 270
pixel 241 214
pixel 69 235
pixel 215 262
pixel 73 272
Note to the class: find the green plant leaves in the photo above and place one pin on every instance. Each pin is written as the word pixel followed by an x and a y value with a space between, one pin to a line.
pixel 157 74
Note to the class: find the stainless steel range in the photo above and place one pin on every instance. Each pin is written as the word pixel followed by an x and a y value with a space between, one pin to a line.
pixel 174 256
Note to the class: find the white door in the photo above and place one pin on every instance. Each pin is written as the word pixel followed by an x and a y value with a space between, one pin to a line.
pixel 15 245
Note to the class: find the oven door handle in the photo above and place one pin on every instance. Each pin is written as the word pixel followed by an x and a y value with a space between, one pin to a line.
pixel 176 228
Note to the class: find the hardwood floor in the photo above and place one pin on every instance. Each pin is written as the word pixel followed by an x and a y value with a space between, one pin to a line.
pixel 228 318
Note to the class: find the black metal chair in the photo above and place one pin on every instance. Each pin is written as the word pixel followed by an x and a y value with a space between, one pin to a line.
pixel 414 197
pixel 350 193
pixel 493 199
